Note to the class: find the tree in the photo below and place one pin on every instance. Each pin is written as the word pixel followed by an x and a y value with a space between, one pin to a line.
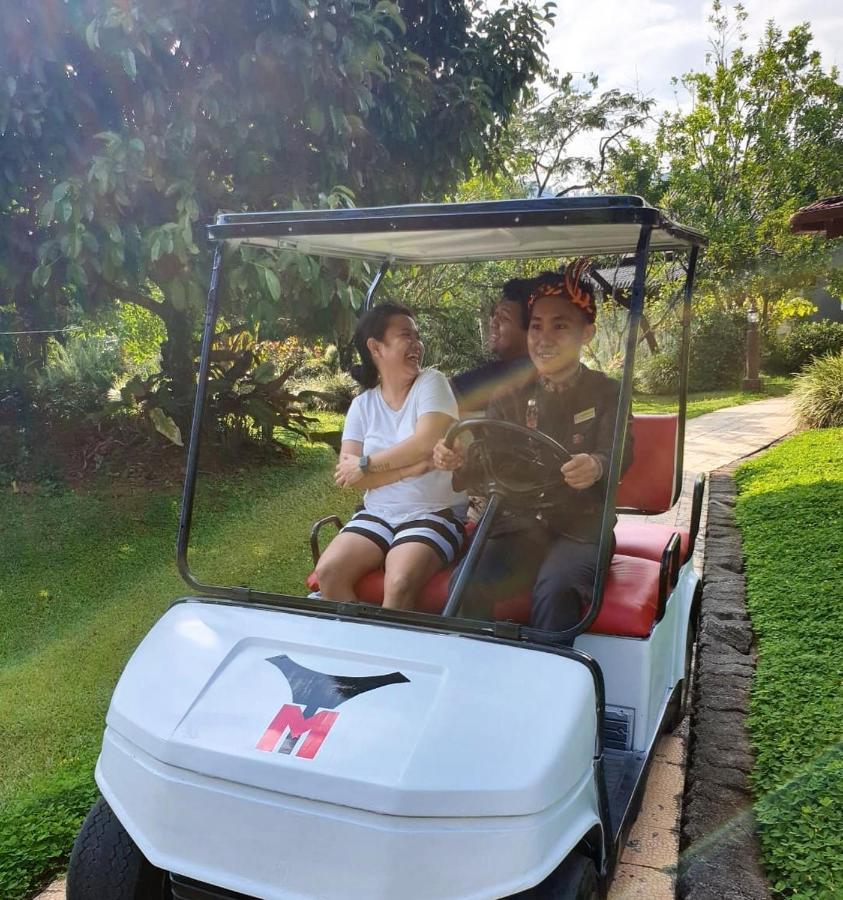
pixel 126 126
pixel 545 135
pixel 763 137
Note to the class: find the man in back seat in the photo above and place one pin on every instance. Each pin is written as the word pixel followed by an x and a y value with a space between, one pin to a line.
pixel 553 554
pixel 510 367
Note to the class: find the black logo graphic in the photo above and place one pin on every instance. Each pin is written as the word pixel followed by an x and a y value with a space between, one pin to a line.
pixel 316 690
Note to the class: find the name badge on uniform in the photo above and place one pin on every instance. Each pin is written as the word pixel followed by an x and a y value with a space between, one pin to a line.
pixel 584 416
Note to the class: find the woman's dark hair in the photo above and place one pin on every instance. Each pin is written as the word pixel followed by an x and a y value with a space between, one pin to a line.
pixel 373 324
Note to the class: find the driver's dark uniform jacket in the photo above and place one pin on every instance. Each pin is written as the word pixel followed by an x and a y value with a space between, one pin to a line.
pixel 553 551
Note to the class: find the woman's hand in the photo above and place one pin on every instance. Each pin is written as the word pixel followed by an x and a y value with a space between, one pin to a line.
pixel 581 471
pixel 348 471
pixel 446 459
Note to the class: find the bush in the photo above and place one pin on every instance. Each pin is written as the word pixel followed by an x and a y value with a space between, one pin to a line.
pixel 718 340
pixel 327 392
pixel 659 373
pixel 818 393
pixel 77 377
pixel 805 341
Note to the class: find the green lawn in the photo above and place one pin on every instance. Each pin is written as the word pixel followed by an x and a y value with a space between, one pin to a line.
pixel 790 511
pixel 84 576
pixel 709 401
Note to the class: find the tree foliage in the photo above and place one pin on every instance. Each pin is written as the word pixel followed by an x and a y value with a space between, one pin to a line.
pixel 763 136
pixel 543 142
pixel 126 126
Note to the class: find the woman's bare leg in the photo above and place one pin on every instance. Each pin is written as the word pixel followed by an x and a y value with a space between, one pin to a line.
pixel 345 561
pixel 408 568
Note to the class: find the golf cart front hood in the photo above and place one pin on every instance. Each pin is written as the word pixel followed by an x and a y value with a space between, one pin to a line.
pixel 376 718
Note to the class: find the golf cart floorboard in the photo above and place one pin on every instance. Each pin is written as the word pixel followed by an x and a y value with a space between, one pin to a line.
pixel 624 770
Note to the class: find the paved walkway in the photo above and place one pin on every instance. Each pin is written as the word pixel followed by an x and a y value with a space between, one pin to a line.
pixel 648 866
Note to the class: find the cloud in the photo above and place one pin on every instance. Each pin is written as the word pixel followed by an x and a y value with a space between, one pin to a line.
pixel 643 45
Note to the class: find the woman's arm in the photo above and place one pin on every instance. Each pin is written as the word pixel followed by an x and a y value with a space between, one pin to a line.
pixel 415 449
pixel 349 474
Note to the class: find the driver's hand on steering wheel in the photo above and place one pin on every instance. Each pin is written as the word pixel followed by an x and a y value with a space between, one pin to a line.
pixel 446 459
pixel 581 471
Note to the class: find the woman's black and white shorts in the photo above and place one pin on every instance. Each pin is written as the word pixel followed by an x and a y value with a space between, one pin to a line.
pixel 443 531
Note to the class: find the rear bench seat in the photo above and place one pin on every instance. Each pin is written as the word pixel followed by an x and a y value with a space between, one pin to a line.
pixel 636 585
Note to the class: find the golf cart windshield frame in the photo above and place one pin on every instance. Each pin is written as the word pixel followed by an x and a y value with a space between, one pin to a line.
pixel 453 233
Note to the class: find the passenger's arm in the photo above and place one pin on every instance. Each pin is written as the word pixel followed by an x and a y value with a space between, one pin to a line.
pixel 349 474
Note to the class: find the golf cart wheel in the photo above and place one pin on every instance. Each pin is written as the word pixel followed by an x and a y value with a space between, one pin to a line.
pixel 574 879
pixel 683 707
pixel 106 864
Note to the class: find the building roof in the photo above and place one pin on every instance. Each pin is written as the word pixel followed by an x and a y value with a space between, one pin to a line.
pixel 824 215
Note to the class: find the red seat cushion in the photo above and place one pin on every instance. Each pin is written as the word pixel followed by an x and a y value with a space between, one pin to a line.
pixel 630 599
pixel 647 540
pixel 647 485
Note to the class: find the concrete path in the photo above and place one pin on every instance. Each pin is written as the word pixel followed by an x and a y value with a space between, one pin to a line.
pixel 647 870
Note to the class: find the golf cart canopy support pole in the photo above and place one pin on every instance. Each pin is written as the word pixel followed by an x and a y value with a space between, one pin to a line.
pixel 684 361
pixel 373 287
pixel 186 516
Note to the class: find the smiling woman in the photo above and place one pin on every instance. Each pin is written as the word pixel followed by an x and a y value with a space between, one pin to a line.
pixel 410 522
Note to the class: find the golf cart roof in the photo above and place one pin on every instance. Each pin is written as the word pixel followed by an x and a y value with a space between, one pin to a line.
pixel 428 233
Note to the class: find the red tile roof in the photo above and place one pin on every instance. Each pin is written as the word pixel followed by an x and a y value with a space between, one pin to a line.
pixel 824 215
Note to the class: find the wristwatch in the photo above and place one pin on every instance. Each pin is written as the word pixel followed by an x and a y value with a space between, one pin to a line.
pixel 363 463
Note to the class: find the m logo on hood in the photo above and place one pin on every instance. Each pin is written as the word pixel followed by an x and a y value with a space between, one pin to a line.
pixel 306 721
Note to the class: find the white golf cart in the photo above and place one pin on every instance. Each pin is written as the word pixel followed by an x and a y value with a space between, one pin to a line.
pixel 265 746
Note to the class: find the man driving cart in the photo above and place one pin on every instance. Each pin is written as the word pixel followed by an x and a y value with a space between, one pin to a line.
pixel 552 553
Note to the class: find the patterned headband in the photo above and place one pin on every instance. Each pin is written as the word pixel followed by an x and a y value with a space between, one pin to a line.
pixel 571 287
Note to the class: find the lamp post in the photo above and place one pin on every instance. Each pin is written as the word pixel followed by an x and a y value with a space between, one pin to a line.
pixel 753 352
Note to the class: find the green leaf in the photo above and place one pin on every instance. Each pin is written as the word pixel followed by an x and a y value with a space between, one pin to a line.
pixel 60 191
pixel 264 373
pixel 48 212
pixel 41 276
pixel 177 295
pixel 329 32
pixel 166 426
pixel 127 57
pixel 137 145
pixel 273 285
pixel 315 119
pixel 92 35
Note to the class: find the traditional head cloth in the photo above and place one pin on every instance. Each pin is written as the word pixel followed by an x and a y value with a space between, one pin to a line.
pixel 570 285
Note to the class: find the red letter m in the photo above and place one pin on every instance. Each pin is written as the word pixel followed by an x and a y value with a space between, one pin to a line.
pixel 290 717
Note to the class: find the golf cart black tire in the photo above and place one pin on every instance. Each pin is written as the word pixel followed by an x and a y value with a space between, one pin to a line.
pixel 575 879
pixel 106 864
pixel 683 706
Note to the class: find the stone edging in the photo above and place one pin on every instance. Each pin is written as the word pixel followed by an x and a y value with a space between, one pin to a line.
pixel 719 847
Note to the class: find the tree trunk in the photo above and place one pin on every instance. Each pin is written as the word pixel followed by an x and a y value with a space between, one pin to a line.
pixel 178 354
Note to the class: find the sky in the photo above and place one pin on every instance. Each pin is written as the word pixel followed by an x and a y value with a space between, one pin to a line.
pixel 639 45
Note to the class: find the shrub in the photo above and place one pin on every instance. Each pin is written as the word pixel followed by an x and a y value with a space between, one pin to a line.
pixel 77 377
pixel 818 393
pixel 717 353
pixel 659 373
pixel 805 341
pixel 718 341
pixel 327 392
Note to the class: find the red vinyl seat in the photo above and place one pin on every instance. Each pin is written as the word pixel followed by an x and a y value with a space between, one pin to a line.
pixel 630 599
pixel 648 540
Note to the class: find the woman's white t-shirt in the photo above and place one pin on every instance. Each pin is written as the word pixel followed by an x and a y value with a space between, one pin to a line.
pixel 372 422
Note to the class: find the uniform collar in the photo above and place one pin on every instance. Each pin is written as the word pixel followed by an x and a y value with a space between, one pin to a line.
pixel 551 387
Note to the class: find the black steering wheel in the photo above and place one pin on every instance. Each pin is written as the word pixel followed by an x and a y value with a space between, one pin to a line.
pixel 520 463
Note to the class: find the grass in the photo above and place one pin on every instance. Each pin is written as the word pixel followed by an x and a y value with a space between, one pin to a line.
pixel 790 511
pixel 709 401
pixel 84 577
